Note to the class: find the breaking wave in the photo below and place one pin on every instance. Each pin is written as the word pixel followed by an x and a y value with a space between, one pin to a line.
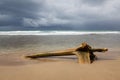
pixel 56 32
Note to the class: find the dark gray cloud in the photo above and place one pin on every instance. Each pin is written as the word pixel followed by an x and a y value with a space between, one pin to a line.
pixel 21 8
pixel 12 12
pixel 59 14
pixel 94 2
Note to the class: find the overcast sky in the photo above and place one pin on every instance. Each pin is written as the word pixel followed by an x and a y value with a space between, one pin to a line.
pixel 60 14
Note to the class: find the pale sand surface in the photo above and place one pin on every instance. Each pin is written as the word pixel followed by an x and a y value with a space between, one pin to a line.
pixel 16 67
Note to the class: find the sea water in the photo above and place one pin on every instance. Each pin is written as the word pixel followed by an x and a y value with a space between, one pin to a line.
pixel 43 41
pixel 56 32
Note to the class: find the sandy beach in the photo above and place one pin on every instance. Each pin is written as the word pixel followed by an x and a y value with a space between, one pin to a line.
pixel 58 69
pixel 13 65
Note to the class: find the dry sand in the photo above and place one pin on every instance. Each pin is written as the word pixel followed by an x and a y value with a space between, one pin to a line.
pixel 15 67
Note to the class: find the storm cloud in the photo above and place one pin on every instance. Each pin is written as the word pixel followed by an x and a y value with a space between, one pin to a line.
pixel 60 14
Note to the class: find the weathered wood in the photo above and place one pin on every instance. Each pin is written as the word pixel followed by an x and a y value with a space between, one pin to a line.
pixel 99 50
pixel 49 54
pixel 84 53
pixel 83 57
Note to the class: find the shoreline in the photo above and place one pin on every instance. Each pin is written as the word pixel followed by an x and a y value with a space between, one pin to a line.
pixel 14 66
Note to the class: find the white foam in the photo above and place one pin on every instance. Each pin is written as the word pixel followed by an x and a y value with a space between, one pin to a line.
pixel 56 32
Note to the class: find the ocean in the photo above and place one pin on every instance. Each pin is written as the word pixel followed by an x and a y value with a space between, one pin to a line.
pixel 44 41
pixel 56 32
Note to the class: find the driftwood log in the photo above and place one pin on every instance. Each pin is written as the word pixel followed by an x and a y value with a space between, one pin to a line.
pixel 84 52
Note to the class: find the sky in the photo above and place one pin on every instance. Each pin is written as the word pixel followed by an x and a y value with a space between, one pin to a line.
pixel 59 14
